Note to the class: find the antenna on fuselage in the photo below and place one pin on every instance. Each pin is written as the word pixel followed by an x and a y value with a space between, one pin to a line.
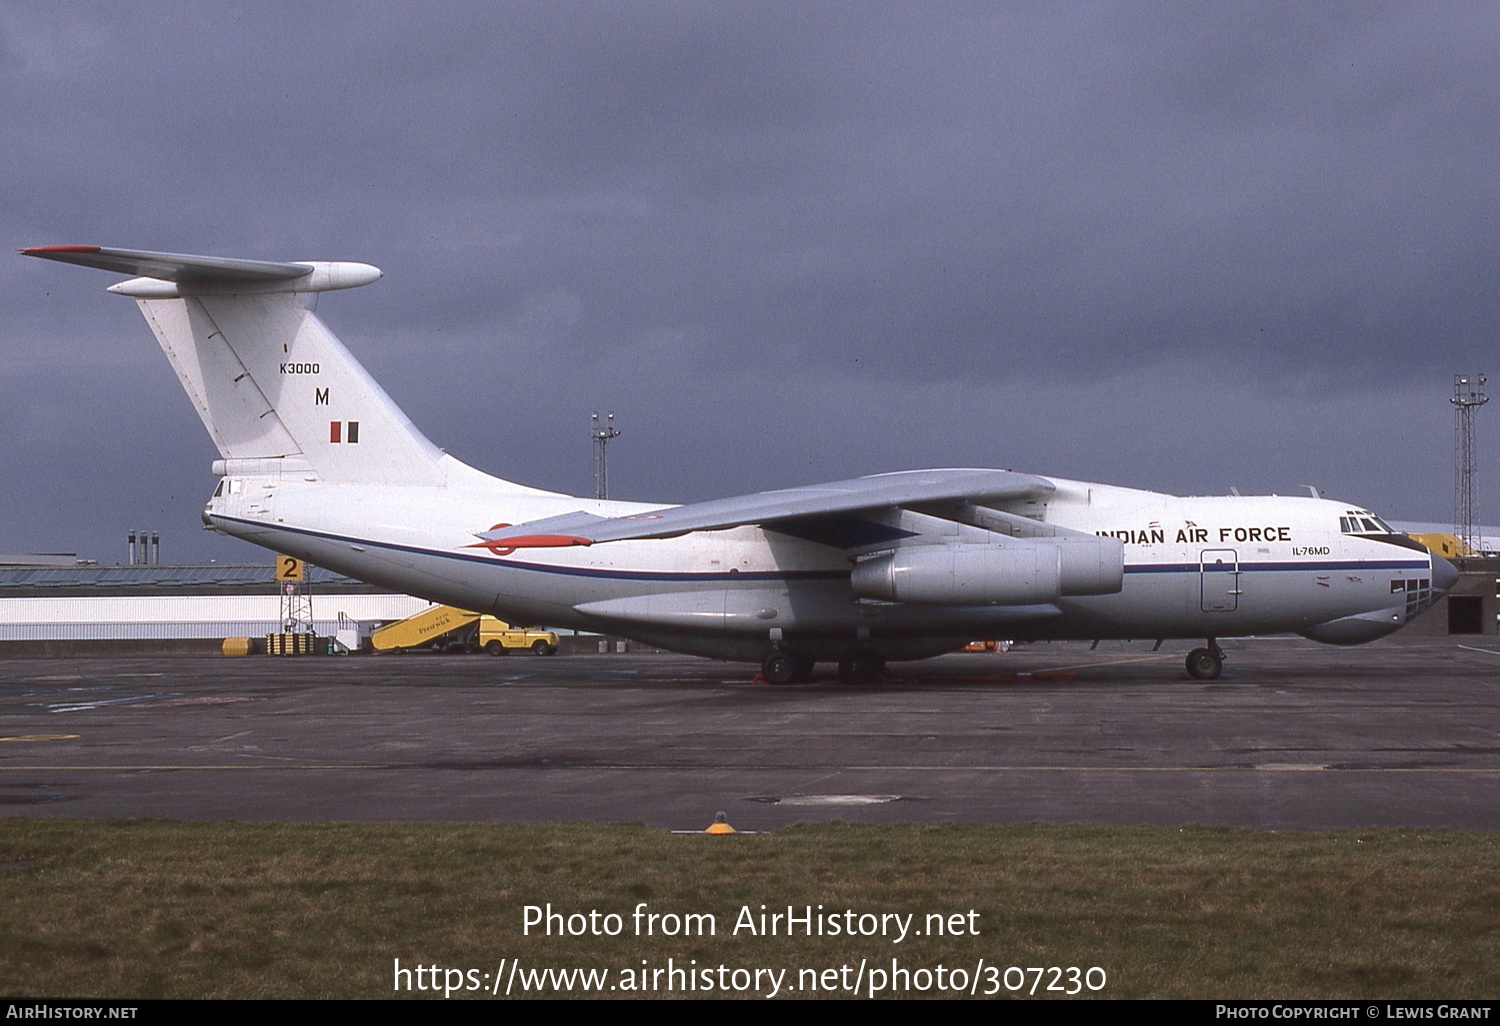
pixel 1468 396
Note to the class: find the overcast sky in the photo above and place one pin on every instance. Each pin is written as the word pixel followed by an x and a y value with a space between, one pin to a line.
pixel 1175 246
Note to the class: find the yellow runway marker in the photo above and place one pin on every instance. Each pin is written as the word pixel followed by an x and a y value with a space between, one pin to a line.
pixel 41 737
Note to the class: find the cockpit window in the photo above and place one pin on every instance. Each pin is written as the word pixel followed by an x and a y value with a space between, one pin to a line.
pixel 1363 522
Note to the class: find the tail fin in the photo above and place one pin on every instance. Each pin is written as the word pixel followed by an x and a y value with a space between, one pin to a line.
pixel 267 377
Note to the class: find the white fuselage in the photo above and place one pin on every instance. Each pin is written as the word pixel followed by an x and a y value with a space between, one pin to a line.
pixel 1206 567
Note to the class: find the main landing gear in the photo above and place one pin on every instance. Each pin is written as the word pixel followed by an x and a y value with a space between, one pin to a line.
pixel 1206 663
pixel 859 667
pixel 784 668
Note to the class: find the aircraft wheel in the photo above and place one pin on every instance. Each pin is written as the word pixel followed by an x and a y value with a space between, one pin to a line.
pixel 1204 664
pixel 785 668
pixel 861 668
pixel 541 648
pixel 494 648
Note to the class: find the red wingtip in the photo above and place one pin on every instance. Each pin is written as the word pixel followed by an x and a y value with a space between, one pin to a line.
pixel 36 250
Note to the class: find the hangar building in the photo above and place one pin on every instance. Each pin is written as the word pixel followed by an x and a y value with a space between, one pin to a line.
pixel 52 605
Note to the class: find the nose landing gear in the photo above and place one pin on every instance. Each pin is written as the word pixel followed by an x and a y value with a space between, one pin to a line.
pixel 1206 663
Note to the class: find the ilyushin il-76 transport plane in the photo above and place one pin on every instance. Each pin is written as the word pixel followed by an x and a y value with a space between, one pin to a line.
pixel 318 462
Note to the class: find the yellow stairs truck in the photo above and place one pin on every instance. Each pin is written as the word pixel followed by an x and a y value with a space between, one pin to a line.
pixel 449 629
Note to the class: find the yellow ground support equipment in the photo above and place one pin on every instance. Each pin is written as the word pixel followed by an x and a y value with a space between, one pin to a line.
pixel 423 628
pixel 496 637
pixel 448 628
pixel 236 647
pixel 298 644
pixel 1446 545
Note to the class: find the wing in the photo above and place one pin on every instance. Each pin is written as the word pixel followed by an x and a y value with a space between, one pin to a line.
pixel 929 489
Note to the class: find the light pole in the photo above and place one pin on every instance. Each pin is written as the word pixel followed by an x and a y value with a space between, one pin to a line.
pixel 601 432
pixel 1468 396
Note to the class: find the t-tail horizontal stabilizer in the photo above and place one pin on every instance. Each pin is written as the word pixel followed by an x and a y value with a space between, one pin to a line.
pixel 213 274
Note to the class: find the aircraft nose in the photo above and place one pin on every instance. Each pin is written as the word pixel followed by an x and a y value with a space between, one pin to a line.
pixel 1444 574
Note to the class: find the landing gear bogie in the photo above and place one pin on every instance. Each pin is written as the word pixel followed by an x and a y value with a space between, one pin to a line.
pixel 860 668
pixel 786 668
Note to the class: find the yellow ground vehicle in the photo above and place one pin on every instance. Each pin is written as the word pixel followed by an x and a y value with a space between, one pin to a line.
pixel 496 637
pixel 449 629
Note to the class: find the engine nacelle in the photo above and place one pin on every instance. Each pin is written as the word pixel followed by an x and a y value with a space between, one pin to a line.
pixel 1014 573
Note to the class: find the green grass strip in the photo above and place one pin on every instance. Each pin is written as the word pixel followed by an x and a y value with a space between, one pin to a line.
pixel 146 909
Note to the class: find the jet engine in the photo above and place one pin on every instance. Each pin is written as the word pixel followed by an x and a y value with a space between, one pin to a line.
pixel 1012 573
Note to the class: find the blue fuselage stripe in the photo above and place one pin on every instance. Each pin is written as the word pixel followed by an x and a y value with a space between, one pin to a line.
pixel 1274 567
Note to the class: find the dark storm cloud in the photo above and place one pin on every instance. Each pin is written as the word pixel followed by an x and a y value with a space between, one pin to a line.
pixel 778 226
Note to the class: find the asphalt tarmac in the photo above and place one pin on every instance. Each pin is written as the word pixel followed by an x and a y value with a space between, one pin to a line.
pixel 1294 736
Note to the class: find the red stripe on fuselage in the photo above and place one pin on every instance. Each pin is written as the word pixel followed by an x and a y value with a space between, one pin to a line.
pixel 531 541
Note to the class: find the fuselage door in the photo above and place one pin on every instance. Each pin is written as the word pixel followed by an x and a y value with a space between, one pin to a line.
pixel 1219 580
